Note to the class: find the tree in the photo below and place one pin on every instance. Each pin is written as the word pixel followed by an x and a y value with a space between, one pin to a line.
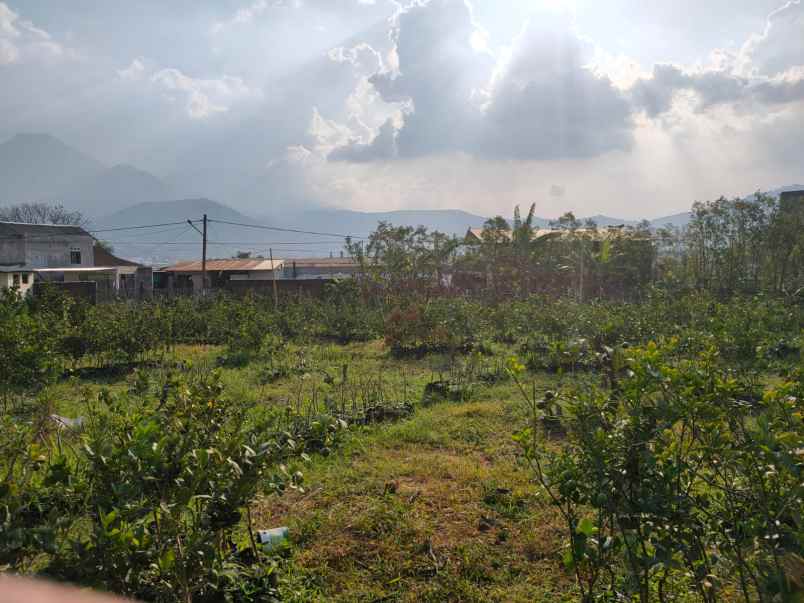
pixel 566 222
pixel 105 245
pixel 41 213
pixel 402 260
pixel 523 247
pixel 496 241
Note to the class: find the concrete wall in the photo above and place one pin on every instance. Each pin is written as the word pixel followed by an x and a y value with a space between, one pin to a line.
pixel 284 288
pixel 12 251
pixel 54 252
pixel 316 272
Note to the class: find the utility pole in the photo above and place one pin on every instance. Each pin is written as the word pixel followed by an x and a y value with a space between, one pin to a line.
pixel 273 274
pixel 204 258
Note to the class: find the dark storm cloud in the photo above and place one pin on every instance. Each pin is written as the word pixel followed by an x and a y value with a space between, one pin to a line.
pixel 542 103
pixel 438 74
pixel 547 105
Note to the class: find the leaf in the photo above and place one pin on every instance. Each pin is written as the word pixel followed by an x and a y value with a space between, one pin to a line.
pixel 235 466
pixel 586 527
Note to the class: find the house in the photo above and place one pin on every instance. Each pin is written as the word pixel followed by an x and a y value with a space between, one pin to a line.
pixel 27 248
pixel 69 257
pixel 17 275
pixel 45 245
pixel 186 276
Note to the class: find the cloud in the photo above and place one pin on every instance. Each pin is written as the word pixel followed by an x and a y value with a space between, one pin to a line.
pixel 204 97
pixel 134 72
pixel 362 57
pixel 780 45
pixel 768 71
pixel 547 103
pixel 382 146
pixel 437 77
pixel 20 39
pixel 243 15
pixel 432 76
pixel 539 100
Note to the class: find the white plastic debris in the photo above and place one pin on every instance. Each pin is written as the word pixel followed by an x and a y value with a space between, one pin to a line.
pixel 76 423
pixel 273 538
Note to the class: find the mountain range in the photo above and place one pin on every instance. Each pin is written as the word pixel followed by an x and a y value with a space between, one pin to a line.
pixel 40 167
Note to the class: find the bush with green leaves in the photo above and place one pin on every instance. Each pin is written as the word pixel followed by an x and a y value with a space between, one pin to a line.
pixel 28 347
pixel 150 499
pixel 674 482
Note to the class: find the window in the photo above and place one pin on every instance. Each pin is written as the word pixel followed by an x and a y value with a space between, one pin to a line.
pixel 25 276
pixel 75 255
pixel 16 279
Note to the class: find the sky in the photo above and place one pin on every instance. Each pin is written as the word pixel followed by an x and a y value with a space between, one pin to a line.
pixel 625 107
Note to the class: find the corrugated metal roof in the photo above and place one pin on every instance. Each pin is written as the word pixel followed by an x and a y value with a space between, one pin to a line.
pixel 226 265
pixel 322 262
pixel 20 229
pixel 82 269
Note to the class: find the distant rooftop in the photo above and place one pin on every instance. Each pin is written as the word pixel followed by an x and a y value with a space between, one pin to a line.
pixel 22 229
pixel 476 234
pixel 322 262
pixel 226 265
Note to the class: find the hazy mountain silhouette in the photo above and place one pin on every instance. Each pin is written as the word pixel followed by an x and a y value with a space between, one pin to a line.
pixel 39 167
pixel 154 212
pixel 117 187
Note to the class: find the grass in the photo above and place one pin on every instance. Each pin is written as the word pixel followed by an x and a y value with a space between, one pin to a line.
pixel 438 507
pixel 414 513
pixel 435 508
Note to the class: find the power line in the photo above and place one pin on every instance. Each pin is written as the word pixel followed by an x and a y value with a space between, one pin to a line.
pixel 141 227
pixel 184 228
pixel 312 246
pixel 156 246
pixel 277 228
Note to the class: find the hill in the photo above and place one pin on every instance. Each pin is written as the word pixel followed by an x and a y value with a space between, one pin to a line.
pixel 178 240
pixel 169 211
pixel 116 187
pixel 39 167
pixel 449 221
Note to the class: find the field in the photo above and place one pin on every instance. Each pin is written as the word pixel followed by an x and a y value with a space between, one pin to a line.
pixel 438 506
pixel 533 450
